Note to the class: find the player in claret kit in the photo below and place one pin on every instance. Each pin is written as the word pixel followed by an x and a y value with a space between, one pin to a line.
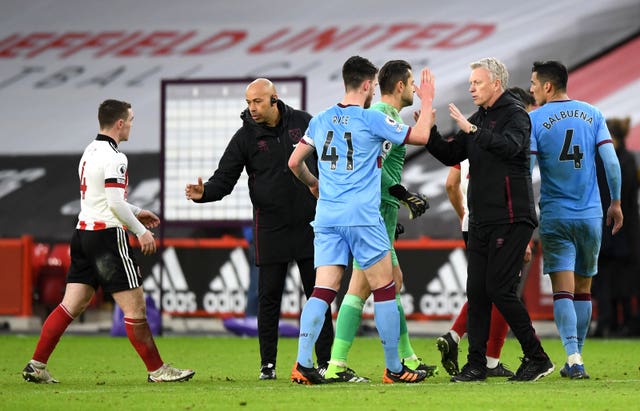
pixel 100 252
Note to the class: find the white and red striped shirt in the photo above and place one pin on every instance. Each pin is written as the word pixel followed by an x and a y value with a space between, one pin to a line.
pixel 464 185
pixel 103 177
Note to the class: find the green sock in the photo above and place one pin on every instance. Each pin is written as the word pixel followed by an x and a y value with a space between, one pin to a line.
pixel 347 325
pixel 405 350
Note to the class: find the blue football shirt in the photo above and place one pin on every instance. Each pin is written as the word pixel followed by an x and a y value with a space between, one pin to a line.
pixel 348 140
pixel 565 136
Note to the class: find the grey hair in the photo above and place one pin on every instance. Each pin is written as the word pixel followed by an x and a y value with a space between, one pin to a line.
pixel 496 69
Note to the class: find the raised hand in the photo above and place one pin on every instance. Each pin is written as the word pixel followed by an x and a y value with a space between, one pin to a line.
pixel 459 118
pixel 426 91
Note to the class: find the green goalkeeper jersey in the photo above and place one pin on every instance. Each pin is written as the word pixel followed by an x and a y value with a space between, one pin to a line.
pixel 392 157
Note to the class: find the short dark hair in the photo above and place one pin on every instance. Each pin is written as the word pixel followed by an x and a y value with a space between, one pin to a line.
pixel 553 72
pixel 524 96
pixel 390 73
pixel 356 70
pixel 111 111
pixel 619 127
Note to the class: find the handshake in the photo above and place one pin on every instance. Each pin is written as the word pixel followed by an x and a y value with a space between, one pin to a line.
pixel 415 202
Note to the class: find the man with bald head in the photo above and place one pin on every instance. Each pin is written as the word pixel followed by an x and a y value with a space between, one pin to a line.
pixel 283 208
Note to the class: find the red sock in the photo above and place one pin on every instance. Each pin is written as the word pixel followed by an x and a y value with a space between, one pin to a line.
pixel 460 324
pixel 141 338
pixel 52 329
pixel 497 333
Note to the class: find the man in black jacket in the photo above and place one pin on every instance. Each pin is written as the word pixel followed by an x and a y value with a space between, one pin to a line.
pixel 502 216
pixel 283 207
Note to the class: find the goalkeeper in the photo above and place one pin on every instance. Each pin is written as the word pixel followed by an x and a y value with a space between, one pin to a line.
pixel 397 89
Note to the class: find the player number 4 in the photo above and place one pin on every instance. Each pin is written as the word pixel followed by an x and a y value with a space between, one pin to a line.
pixel 83 181
pixel 576 155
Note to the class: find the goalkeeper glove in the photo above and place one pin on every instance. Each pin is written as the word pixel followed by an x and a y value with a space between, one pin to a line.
pixel 399 230
pixel 415 202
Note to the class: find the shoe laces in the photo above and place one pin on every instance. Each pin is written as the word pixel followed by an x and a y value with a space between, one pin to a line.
pixel 351 376
pixel 406 374
pixel 450 341
pixel 523 364
pixel 168 371
pixel 348 371
pixel 267 367
pixel 527 368
pixel 41 372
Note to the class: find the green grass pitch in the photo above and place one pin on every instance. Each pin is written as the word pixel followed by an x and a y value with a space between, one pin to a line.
pixel 104 373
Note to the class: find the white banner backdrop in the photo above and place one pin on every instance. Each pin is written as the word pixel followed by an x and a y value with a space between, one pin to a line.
pixel 60 59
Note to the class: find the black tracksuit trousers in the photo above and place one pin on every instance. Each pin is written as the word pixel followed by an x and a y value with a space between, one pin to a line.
pixel 495 254
pixel 270 288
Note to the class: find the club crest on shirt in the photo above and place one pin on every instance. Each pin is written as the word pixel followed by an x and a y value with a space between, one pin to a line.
pixel 295 135
pixel 262 145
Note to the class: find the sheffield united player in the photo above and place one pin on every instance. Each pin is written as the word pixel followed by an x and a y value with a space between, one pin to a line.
pixel 101 254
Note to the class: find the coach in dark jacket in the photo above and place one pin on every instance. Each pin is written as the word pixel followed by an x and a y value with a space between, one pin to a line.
pixel 502 216
pixel 500 189
pixel 283 207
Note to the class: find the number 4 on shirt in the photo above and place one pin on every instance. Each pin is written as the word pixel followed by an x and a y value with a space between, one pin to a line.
pixel 576 155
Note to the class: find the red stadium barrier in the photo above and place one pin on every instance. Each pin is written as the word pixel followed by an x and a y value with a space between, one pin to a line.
pixel 206 277
pixel 52 276
pixel 15 276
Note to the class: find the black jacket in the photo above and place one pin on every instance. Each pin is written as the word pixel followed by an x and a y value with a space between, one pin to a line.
pixel 500 189
pixel 626 243
pixel 283 206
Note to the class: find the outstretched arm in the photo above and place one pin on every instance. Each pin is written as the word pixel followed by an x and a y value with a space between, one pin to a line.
pixel 509 142
pixel 194 191
pixel 427 116
pixel 462 122
pixel 224 179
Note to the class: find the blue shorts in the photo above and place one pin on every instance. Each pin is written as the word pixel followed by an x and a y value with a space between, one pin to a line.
pixel 336 245
pixel 571 245
pixel 389 213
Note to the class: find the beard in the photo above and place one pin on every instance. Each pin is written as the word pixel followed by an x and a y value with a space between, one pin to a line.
pixel 367 101
pixel 407 101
